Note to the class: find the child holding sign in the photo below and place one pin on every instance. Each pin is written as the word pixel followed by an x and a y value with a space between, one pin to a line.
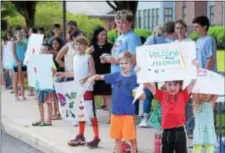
pixel 173 103
pixel 83 67
pixel 204 131
pixel 123 124
pixel 45 95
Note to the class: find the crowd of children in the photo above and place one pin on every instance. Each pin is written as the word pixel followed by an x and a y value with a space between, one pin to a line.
pixel 72 62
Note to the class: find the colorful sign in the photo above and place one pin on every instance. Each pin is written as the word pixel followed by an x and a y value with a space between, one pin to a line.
pixel 33 47
pixel 166 62
pixel 40 71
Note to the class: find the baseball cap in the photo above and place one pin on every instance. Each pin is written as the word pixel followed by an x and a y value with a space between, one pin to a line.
pixel 72 23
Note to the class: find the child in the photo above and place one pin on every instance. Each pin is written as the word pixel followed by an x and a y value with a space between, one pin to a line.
pixel 123 125
pixel 83 68
pixel 173 102
pixel 57 44
pixel 45 96
pixel 18 67
pixel 204 130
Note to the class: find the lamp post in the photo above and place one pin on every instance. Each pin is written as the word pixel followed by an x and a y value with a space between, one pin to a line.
pixel 64 20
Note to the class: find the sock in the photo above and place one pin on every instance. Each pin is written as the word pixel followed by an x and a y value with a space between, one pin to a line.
pixel 81 128
pixel 94 123
pixel 197 149
pixel 209 148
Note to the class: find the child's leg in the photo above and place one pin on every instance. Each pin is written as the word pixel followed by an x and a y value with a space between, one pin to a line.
pixel 118 146
pixel 108 100
pixel 180 137
pixel 15 84
pixel 49 103
pixel 167 144
pixel 209 148
pixel 94 123
pixel 81 128
pixel 22 84
pixel 197 149
pixel 41 111
pixel 133 146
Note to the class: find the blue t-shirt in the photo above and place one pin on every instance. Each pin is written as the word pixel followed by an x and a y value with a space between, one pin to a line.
pixel 20 52
pixel 125 42
pixel 122 97
pixel 151 40
pixel 206 48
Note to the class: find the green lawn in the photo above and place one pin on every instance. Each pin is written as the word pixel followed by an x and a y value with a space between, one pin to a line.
pixel 220 56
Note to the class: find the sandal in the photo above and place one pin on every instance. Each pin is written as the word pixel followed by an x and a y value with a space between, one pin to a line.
pixel 36 123
pixel 56 117
pixel 44 124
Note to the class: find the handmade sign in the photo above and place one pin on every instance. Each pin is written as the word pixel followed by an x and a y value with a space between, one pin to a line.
pixel 40 71
pixel 8 55
pixel 33 47
pixel 70 98
pixel 166 62
pixel 209 82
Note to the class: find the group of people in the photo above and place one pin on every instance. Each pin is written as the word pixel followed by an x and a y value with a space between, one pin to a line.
pixel 77 58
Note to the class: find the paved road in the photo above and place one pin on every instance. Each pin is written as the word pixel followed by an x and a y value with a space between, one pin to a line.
pixel 13 145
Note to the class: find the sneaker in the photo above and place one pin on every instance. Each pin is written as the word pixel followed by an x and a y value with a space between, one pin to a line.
pixel 78 141
pixel 94 143
pixel 143 124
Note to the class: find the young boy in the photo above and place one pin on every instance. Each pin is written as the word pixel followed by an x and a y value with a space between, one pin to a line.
pixel 45 95
pixel 123 125
pixel 83 65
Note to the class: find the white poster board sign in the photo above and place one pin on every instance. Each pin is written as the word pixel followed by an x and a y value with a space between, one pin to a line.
pixel 34 44
pixel 8 55
pixel 40 71
pixel 209 82
pixel 166 62
pixel 70 97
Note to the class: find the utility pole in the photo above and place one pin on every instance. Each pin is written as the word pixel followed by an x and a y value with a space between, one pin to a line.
pixel 64 20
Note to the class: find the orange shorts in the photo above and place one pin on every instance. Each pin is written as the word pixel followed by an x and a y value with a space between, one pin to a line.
pixel 123 127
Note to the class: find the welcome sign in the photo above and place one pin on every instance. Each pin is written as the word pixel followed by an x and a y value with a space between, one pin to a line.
pixel 166 62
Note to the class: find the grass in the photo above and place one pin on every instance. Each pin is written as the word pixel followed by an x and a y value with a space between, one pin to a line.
pixel 220 56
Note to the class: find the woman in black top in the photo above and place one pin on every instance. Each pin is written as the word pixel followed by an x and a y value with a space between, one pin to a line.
pixel 99 46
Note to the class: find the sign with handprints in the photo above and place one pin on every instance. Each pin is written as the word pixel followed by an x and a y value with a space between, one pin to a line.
pixel 166 62
pixel 70 98
pixel 33 48
pixel 40 71
pixel 209 82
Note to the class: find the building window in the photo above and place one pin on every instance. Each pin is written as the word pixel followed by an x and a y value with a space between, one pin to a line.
pixel 211 13
pixel 184 13
pixel 145 19
pixel 149 19
pixel 157 17
pixel 168 14
pixel 139 19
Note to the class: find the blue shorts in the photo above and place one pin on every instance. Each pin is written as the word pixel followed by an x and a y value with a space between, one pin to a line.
pixel 44 96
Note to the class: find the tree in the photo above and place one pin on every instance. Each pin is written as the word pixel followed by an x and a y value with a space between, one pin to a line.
pixel 27 9
pixel 119 5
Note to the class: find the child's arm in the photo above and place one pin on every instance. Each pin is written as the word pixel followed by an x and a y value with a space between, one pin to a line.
pixel 91 66
pixel 193 82
pixel 64 74
pixel 150 86
pixel 60 55
pixel 14 54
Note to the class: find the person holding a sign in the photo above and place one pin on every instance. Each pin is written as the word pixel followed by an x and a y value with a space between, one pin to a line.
pixel 173 103
pixel 204 130
pixel 123 125
pixel 44 95
pixel 83 68
pixel 19 69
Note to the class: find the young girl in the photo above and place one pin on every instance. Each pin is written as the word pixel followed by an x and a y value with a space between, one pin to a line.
pixel 45 96
pixel 123 125
pixel 83 68
pixel 57 44
pixel 204 130
pixel 19 50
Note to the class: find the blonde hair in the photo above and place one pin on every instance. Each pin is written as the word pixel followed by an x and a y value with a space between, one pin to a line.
pixel 127 56
pixel 197 100
pixel 158 30
pixel 124 15
pixel 82 40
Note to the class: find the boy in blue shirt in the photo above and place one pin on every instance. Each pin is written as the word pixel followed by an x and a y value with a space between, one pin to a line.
pixel 123 125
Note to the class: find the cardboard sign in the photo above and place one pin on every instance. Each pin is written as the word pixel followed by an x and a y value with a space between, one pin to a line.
pixel 209 82
pixel 166 62
pixel 40 71
pixel 8 55
pixel 33 48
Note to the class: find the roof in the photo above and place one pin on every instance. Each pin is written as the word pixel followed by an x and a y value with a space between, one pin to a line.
pixel 92 8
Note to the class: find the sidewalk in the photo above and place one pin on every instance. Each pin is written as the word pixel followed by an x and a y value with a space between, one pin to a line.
pixel 18 116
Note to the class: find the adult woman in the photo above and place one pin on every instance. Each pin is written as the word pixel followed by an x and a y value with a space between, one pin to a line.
pixel 181 31
pixel 100 46
pixel 68 52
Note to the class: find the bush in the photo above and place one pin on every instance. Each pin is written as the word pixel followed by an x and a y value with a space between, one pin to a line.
pixel 142 33
pixel 217 32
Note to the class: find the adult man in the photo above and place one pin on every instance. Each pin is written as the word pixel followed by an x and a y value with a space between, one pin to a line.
pixel 72 27
pixel 57 33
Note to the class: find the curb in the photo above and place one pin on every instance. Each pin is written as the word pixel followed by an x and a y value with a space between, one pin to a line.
pixel 32 139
